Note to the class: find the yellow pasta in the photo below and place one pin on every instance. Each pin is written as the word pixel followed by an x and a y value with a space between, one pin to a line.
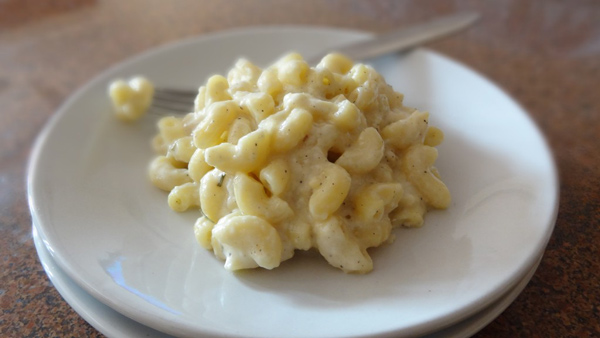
pixel 433 137
pixel 329 190
pixel 417 164
pixel 131 99
pixel 185 196
pixel 214 194
pixel 294 157
pixel 406 132
pixel 252 199
pixel 347 117
pixel 248 155
pixel 203 231
pixel 240 127
pixel 170 129
pixel 182 149
pixel 216 90
pixel 292 130
pixel 364 154
pixel 212 129
pixel 276 176
pixel 269 83
pixel 293 72
pixel 336 63
pixel 338 248
pixel 200 101
pixel 260 105
pixel 197 166
pixel 165 175
pixel 243 76
pixel 246 241
pixel 372 201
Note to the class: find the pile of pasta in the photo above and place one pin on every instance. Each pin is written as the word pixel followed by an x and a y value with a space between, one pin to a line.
pixel 294 157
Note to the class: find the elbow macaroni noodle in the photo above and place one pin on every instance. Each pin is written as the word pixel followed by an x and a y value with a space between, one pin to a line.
pixel 131 99
pixel 295 157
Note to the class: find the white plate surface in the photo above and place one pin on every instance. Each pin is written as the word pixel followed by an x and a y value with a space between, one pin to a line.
pixel 112 232
pixel 113 324
pixel 106 320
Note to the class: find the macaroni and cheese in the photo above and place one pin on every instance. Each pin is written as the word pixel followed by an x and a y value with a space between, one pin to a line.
pixel 294 157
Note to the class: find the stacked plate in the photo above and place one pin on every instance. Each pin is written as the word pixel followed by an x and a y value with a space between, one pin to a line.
pixel 131 267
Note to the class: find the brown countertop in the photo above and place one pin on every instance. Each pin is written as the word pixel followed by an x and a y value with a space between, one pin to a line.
pixel 544 53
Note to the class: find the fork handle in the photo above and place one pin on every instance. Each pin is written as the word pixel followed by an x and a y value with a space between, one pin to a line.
pixel 405 38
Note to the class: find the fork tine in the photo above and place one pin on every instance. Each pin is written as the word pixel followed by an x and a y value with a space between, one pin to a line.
pixel 174 100
pixel 176 92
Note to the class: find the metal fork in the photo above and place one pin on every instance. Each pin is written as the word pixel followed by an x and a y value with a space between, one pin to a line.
pixel 170 100
pixel 179 101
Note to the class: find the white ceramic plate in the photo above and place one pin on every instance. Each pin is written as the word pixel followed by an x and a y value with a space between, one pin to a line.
pixel 103 318
pixel 113 324
pixel 112 232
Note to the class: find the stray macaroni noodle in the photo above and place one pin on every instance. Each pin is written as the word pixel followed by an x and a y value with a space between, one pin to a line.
pixel 131 99
pixel 294 157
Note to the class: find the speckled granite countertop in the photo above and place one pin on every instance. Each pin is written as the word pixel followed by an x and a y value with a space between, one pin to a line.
pixel 544 53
